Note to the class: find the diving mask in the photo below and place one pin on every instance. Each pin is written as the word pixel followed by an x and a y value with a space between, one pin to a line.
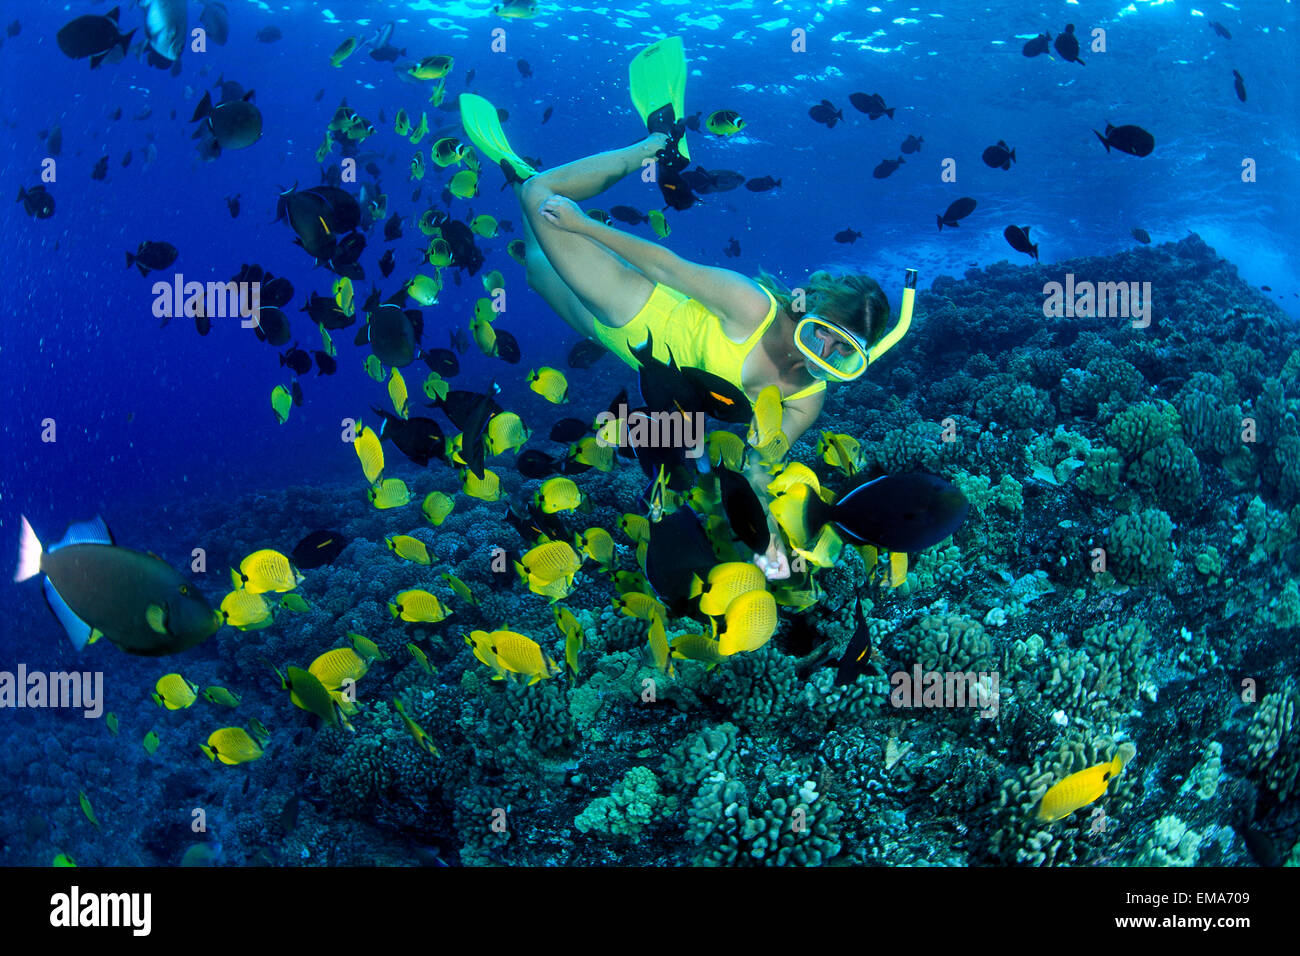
pixel 834 352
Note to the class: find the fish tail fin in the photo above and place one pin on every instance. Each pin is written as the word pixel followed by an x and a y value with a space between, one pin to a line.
pixel 1103 140
pixel 22 193
pixel 939 220
pixel 124 40
pixel 1013 155
pixel 29 553
pixel 1080 62
pixel 204 107
pixel 1034 247
pixel 890 112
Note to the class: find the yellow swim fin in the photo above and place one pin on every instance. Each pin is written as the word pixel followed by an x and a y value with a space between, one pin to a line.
pixel 657 79
pixel 483 127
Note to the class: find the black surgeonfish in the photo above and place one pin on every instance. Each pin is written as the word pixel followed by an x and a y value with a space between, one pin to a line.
pixel 904 513
pixel 586 353
pixel 323 310
pixel 1018 238
pixel 272 327
pixel 233 124
pixel 744 511
pixel 678 550
pixel 419 439
pixel 392 337
pixel 1038 45
pixel 1133 140
pixel 136 600
pixel 667 387
pixel 318 549
pixel 462 406
pixel 857 656
pixel 150 256
pixel 95 37
pixel 957 210
pixel 442 361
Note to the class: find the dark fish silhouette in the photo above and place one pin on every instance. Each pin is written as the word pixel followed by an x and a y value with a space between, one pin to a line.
pixel 1133 140
pixel 1018 238
pixel 957 210
pixel 1000 156
pixel 1067 44
pixel 1038 45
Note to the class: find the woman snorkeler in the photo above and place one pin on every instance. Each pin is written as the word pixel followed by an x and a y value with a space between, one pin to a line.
pixel 615 288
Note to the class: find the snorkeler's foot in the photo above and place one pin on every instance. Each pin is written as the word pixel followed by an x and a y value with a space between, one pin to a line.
pixel 663 121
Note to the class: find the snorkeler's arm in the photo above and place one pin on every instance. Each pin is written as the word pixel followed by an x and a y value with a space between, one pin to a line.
pixel 735 299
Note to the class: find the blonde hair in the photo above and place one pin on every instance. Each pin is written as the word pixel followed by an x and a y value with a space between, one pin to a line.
pixel 852 300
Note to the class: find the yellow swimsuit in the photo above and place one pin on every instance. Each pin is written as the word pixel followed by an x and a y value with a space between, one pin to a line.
pixel 694 335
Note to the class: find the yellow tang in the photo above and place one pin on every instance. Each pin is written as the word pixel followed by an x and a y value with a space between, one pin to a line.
pixel 598 544
pixel 826 548
pixel 402 125
pixel 558 494
pixel 593 451
pixel 1082 788
pixel 484 225
pixel 485 337
pixel 549 383
pixel 366 648
pixel 439 252
pixel 505 430
pixel 658 223
pixel 517 249
pixel 460 588
pixel 343 51
pixel 244 609
pixel 418 133
pixel 231 745
pixel 424 289
pixel 150 742
pixel 335 667
pixel 281 403
pixel 493 281
pixel 408 548
pixel 437 506
pixel 421 738
pixel 750 623
pixel 220 696
pixel 432 67
pixel 636 527
pixel 421 658
pixel 174 692
pixel 389 493
pixel 344 296
pixel 727 582
pixel 768 416
pixel 660 651
pixel 374 368
pixel 639 605
pixel 840 451
pixel 436 387
pixel 487 488
pixel 417 605
pixel 521 655
pixel 698 647
pixel 417 167
pixel 549 562
pixel 464 185
pixel 726 448
pixel 369 451
pixel 268 570
pixel 397 393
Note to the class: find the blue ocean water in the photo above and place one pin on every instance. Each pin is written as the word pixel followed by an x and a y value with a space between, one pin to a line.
pixel 170 436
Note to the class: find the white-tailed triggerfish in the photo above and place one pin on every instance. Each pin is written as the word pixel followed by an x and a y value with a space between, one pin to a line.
pixel 136 600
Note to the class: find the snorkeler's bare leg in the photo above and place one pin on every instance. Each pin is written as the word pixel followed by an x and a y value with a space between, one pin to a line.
pixel 546 282
pixel 592 175
pixel 610 289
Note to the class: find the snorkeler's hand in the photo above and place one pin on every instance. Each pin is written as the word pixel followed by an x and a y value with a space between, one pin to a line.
pixel 563 213
pixel 775 563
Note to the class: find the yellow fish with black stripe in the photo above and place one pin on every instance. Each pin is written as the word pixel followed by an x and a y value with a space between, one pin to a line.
pixel 437 506
pixel 174 692
pixel 418 606
pixel 268 570
pixel 408 548
pixel 231 745
pixel 549 383
pixel 1085 787
pixel 389 493
pixel 370 452
pixel 560 494
pixel 422 740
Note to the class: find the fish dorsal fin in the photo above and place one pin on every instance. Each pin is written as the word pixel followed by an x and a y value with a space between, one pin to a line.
pixel 156 617
pixel 114 14
pixel 79 632
pixel 86 532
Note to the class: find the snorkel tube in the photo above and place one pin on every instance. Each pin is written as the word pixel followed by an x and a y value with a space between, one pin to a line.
pixel 904 320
